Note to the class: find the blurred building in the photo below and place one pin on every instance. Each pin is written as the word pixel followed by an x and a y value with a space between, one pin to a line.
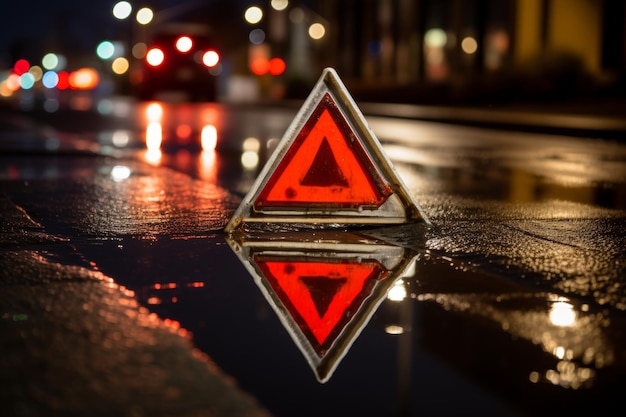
pixel 427 51
pixel 463 48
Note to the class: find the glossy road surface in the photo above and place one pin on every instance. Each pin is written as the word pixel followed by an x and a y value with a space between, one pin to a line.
pixel 120 294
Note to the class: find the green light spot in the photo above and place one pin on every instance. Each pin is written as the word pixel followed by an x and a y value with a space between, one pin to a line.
pixel 20 317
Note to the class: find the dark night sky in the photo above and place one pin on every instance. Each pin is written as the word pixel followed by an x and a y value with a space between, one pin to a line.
pixel 29 26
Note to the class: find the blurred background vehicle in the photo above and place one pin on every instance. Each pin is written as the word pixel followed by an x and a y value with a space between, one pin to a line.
pixel 180 62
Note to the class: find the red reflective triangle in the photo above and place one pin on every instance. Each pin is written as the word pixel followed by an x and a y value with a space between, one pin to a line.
pixel 326 166
pixel 322 296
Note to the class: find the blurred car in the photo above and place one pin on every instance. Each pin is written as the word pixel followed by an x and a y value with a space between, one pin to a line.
pixel 180 62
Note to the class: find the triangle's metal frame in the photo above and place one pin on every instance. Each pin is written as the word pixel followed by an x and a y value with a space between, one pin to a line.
pixel 400 206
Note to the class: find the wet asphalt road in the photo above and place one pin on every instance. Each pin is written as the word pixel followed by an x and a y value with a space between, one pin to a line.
pixel 121 295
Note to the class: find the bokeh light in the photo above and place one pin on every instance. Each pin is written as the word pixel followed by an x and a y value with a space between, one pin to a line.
pixel 122 10
pixel 155 57
pixel 208 137
pixel 256 36
pixel 469 45
pixel 317 31
pixel 154 135
pixel 144 15
pixel 249 159
pixel 253 15
pixel 251 144
pixel 120 65
pixel 21 66
pixel 63 83
pixel 50 79
pixel 279 4
pixel 27 81
pixel 210 58
pixel 120 173
pixel 435 38
pixel 277 66
pixel 36 71
pixel 398 292
pixel 105 50
pixel 5 91
pixel 139 50
pixel 183 133
pixel 84 79
pixel 154 112
pixel 50 61
pixel 184 44
pixel 259 65
pixel 120 138
pixel 13 82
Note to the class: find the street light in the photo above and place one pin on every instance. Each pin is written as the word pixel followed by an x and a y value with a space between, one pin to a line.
pixel 122 10
pixel 279 5
pixel 253 15
pixel 144 15
pixel 317 31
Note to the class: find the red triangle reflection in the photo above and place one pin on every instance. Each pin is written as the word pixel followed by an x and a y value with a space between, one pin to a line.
pixel 321 295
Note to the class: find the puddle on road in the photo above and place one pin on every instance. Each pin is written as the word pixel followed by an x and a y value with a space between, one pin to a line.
pixel 581 341
pixel 578 340
pixel 396 308
pixel 520 186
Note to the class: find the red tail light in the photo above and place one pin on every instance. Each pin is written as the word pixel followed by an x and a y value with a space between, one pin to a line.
pixel 184 44
pixel 210 58
pixel 276 66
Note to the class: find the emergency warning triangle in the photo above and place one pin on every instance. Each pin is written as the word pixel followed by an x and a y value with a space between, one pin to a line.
pixel 328 169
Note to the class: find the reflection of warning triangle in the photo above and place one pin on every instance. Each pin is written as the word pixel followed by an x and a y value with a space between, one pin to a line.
pixel 323 303
pixel 329 169
pixel 323 285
